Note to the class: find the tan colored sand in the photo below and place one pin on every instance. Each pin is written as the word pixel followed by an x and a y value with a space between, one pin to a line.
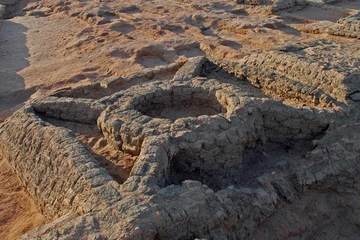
pixel 18 213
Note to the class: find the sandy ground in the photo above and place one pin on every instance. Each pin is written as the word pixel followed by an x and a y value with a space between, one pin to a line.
pixel 59 44
pixel 18 213
pixel 32 56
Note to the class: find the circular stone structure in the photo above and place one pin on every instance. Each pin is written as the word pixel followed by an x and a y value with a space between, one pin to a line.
pixel 178 102
pixel 182 159
pixel 231 139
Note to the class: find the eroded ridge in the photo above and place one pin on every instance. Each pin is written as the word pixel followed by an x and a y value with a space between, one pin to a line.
pixel 348 26
pixel 277 5
pixel 306 73
pixel 57 170
pixel 201 155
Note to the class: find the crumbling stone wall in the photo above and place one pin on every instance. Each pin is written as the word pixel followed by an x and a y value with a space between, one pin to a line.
pixel 217 174
pixel 347 27
pixel 57 170
pixel 295 72
pixel 277 5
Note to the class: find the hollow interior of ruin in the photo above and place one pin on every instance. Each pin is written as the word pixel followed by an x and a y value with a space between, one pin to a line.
pixel 236 167
pixel 117 163
pixel 180 103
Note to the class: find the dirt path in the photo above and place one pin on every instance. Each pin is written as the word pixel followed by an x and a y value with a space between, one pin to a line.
pixel 34 53
pixel 13 56
pixel 18 212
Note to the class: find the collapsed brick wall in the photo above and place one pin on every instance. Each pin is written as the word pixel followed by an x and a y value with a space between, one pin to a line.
pixel 288 74
pixel 57 170
pixel 154 202
pixel 347 27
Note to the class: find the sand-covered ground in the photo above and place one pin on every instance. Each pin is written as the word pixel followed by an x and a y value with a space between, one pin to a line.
pixel 18 212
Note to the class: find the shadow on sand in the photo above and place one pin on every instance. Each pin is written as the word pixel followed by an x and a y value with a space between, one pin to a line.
pixel 13 58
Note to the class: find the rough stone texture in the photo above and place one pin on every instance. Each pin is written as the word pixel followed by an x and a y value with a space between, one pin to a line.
pixel 347 27
pixel 57 170
pixel 277 5
pixel 69 109
pixel 215 156
pixel 310 72
pixel 242 143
